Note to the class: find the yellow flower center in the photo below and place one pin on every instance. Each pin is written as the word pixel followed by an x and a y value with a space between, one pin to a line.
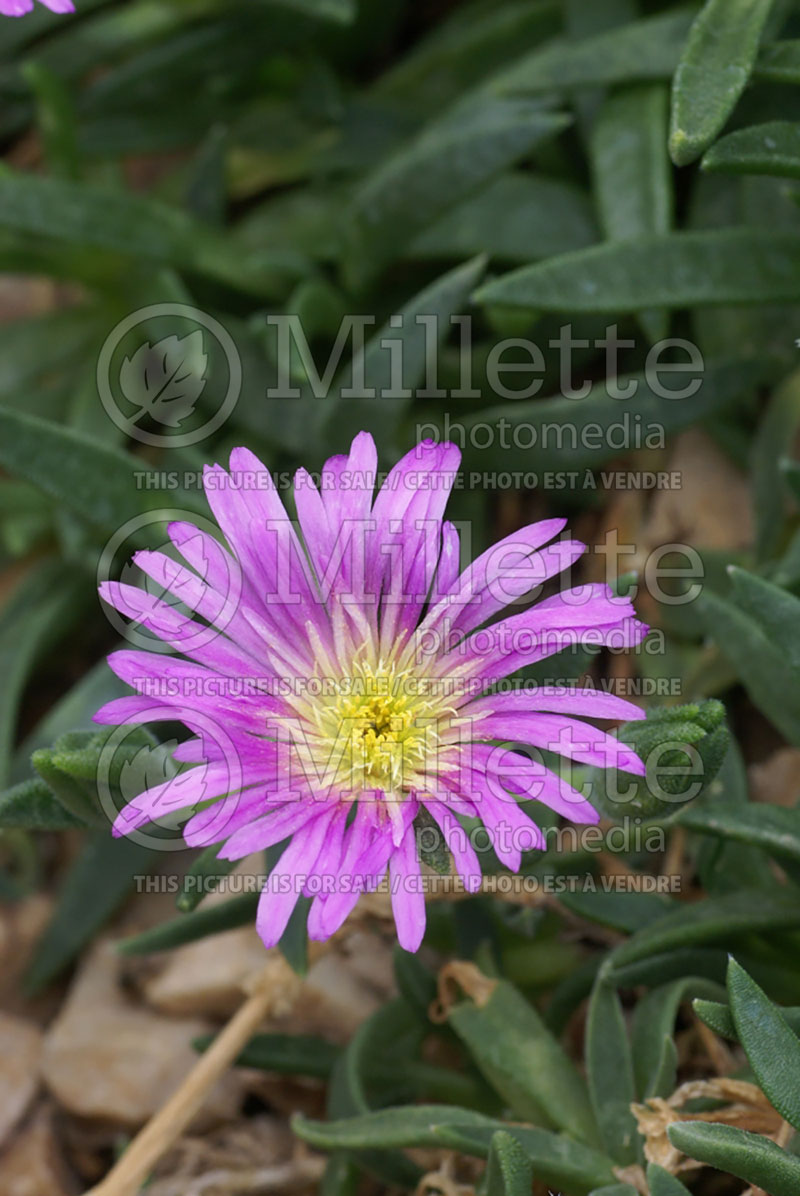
pixel 379 730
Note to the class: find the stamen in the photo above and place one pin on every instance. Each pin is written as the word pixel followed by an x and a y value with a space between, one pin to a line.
pixel 381 727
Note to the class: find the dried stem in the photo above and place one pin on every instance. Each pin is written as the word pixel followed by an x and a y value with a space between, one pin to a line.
pixel 272 986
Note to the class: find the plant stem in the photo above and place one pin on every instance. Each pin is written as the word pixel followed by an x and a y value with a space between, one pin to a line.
pixel 273 986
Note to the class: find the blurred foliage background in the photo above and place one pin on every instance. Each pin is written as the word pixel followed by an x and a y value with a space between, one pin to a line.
pixel 526 163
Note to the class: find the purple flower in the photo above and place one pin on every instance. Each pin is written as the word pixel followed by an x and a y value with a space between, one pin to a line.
pixel 18 8
pixel 339 680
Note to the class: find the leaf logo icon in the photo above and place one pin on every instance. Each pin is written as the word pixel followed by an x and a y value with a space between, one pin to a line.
pixel 165 380
pixel 149 767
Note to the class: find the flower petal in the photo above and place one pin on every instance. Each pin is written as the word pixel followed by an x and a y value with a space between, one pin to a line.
pixel 408 899
pixel 284 884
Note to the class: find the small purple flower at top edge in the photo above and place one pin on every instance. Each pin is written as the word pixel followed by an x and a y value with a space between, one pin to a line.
pixel 19 8
pixel 361 680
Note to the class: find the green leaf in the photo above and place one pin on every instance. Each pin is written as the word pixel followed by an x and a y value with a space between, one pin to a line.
pixel 665 1073
pixel 790 472
pixel 56 119
pixel 452 157
pixel 472 41
pixel 714 920
pixel 653 1028
pixel 610 1072
pixel 518 217
pixel 129 224
pixel 26 518
pixel 681 269
pixel 381 1065
pixel 344 417
pixel 779 62
pixel 294 940
pixel 99 880
pixel 767 330
pixel 32 805
pixel 206 187
pixel 661 968
pixel 683 747
pixel 135 106
pixel 662 1183
pixel 188 928
pixel 48 601
pixel 343 12
pixel 718 1017
pixel 763 669
pixel 415 982
pixel 632 174
pixel 614 1190
pixel 394 1026
pixel 772 1048
pixel 437 856
pixel 582 21
pixel 772 148
pixel 773 828
pixel 522 1060
pixel 128 769
pixel 646 49
pixel 624 912
pixel 71 767
pixel 286 1054
pixel 570 993
pixel 509 1171
pixel 349 1091
pixel 749 1156
pixel 775 610
pixel 756 631
pixel 774 434
pixel 74 48
pixel 74 796
pixel 94 481
pixel 568 434
pixel 80 762
pixel 713 72
pixel 342 1177
pixel 202 878
pixel 556 1159
pixel 38 23
pixel 20 498
pixel 98 686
